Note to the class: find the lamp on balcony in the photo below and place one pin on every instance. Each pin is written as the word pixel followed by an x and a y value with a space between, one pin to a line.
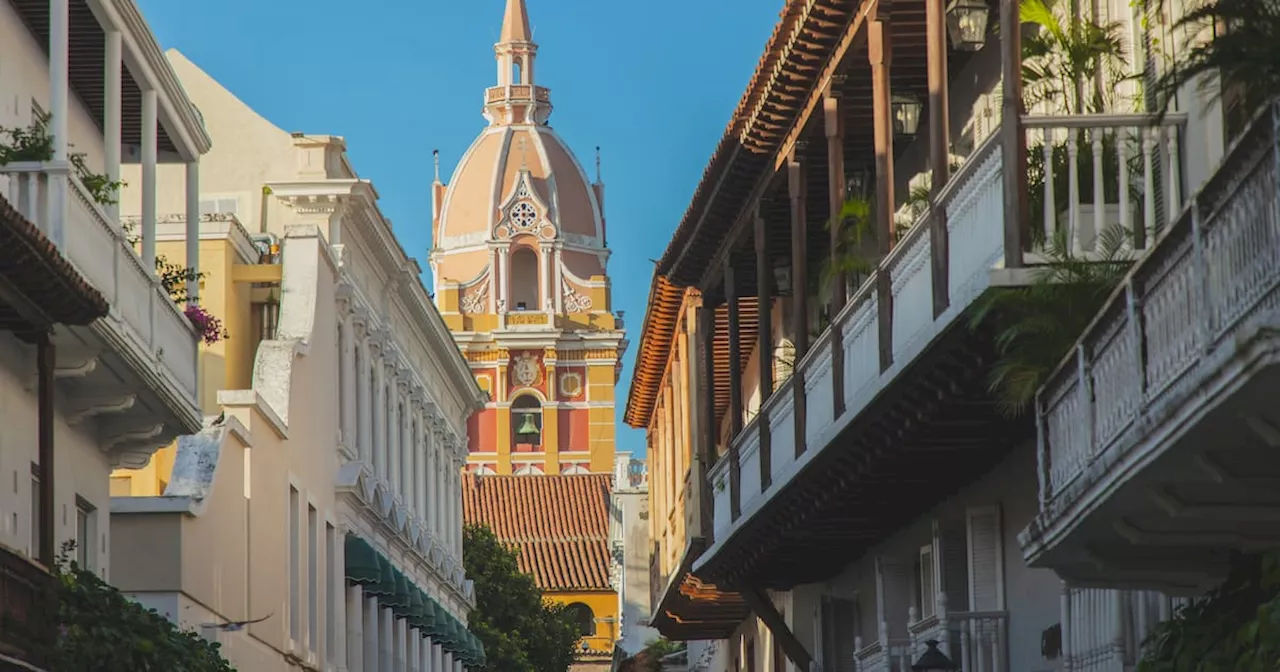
pixel 782 280
pixel 858 183
pixel 967 24
pixel 933 660
pixel 906 114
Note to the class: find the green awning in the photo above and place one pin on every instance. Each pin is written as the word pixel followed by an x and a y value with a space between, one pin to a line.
pixel 481 659
pixel 453 636
pixel 401 601
pixel 422 615
pixel 385 586
pixel 362 567
pixel 440 628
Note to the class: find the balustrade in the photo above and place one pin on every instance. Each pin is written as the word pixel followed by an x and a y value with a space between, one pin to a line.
pixel 1209 272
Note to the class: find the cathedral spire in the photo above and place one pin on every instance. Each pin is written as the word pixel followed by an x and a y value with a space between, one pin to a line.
pixel 517 99
pixel 515 23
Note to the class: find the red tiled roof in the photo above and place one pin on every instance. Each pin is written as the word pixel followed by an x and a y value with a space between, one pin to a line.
pixel 559 524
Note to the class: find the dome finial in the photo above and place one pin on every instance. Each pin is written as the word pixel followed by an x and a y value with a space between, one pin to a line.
pixel 435 156
pixel 515 23
pixel 598 180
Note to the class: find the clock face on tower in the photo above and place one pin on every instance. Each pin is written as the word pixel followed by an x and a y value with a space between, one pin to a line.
pixel 525 370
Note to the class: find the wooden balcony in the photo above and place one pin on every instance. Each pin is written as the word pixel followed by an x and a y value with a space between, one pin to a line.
pixel 21 586
pixel 1157 436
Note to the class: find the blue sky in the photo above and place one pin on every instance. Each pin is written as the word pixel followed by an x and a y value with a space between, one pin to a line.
pixel 653 81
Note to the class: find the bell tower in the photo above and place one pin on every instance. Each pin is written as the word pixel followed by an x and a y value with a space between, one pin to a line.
pixel 519 259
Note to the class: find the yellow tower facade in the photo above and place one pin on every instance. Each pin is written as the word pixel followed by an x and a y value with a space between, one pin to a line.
pixel 519 260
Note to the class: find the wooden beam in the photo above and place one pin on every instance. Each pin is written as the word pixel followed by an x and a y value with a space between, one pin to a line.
pixel 46 362
pixel 707 454
pixel 880 55
pixel 834 126
pixel 939 152
pixel 763 608
pixel 799 293
pixel 1013 142
pixel 764 340
pixel 735 389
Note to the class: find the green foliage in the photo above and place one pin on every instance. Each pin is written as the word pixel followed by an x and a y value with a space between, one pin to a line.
pixel 35 143
pixel 650 658
pixel 521 631
pixel 1233 628
pixel 1246 55
pixel 174 277
pixel 30 143
pixel 95 627
pixel 1037 325
pixel 1067 58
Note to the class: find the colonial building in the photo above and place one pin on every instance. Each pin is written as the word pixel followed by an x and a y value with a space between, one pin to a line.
pixel 519 259
pixel 834 481
pixel 560 527
pixel 316 523
pixel 98 363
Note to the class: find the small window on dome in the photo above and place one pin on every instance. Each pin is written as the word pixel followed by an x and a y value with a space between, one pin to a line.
pixel 516 74
pixel 524 215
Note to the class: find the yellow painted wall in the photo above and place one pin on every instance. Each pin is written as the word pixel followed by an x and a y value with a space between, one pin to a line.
pixel 605 606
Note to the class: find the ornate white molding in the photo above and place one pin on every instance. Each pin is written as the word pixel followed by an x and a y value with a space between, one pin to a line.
pixel 573 301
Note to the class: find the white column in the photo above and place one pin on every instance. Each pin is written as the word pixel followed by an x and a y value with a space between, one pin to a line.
pixel 371 631
pixel 558 281
pixel 419 463
pixel 406 452
pixel 387 656
pixel 354 634
pixel 59 92
pixel 457 502
pixel 503 263
pixel 448 662
pixel 544 269
pixel 111 117
pixel 493 280
pixel 150 140
pixel 424 655
pixel 348 394
pixel 437 658
pixel 415 650
pixel 193 230
pixel 379 419
pixel 364 389
pixel 401 640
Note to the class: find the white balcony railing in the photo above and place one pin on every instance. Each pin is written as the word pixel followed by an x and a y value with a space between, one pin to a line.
pixel 144 324
pixel 975 640
pixel 1208 274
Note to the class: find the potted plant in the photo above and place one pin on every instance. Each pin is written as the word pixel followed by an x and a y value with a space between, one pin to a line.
pixel 34 143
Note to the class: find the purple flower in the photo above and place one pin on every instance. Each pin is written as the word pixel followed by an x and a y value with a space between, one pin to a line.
pixel 210 327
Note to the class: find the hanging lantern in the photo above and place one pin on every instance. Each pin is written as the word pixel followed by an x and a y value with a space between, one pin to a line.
pixel 967 24
pixel 527 426
pixel 906 114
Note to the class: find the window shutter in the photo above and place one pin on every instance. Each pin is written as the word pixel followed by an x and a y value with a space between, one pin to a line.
pixel 892 595
pixel 951 541
pixel 986 559
pixel 840 622
pixel 928 581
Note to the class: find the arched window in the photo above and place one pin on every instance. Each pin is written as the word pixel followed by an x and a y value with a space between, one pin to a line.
pixel 484 470
pixel 523 283
pixel 574 470
pixel 526 423
pixel 528 470
pixel 585 618
pixel 516 72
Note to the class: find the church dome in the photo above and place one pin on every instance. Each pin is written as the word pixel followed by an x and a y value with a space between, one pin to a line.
pixel 518 185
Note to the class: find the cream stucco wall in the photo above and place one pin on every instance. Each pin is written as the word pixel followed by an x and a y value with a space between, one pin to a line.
pixel 81 467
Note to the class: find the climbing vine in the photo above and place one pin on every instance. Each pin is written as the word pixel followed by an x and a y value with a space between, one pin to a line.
pixel 95 627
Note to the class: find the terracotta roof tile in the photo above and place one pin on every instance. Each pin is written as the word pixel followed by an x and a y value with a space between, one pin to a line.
pixel 559 524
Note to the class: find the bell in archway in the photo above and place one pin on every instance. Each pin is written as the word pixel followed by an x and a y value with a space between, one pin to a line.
pixel 527 426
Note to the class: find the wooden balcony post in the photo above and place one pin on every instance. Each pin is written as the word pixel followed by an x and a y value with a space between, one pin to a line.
pixel 799 290
pixel 834 122
pixel 939 151
pixel 46 358
pixel 1013 142
pixel 880 54
pixel 764 341
pixel 707 453
pixel 735 387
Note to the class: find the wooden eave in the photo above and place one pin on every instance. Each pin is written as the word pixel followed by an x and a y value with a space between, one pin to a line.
pixel 933 430
pixel 657 339
pixel 86 67
pixel 690 609
pixel 38 286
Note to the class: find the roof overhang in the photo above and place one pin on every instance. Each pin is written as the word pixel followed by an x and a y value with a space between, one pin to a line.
pixel 690 609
